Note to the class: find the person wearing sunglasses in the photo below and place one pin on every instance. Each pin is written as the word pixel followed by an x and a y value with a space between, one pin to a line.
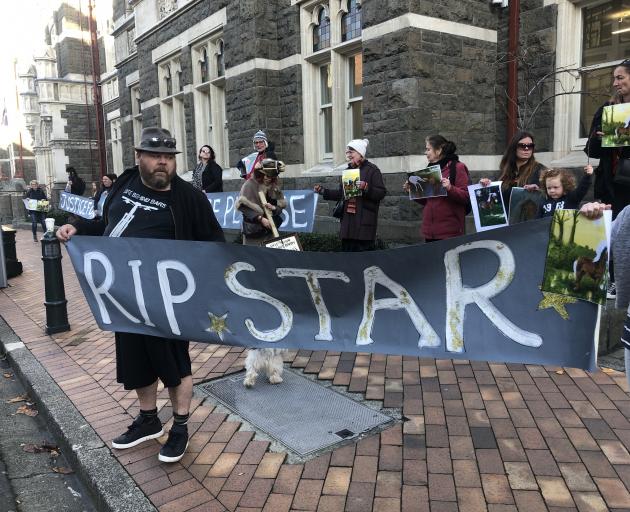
pixel 608 186
pixel 151 201
pixel 207 175
pixel 518 167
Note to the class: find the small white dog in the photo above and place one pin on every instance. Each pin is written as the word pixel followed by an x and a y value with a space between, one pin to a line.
pixel 268 359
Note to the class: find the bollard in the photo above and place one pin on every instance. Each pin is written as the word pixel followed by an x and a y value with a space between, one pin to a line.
pixel 56 312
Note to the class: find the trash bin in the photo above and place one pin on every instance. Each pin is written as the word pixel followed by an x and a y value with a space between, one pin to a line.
pixel 12 265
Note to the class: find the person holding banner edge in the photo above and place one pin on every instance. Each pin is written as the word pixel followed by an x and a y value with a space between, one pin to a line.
pixel 37 217
pixel 620 244
pixel 360 214
pixel 151 201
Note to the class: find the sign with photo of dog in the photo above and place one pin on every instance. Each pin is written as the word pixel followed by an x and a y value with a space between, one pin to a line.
pixel 616 125
pixel 524 205
pixel 350 179
pixel 487 206
pixel 426 183
pixel 577 257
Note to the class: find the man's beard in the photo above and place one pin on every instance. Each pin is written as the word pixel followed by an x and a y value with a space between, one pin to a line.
pixel 156 180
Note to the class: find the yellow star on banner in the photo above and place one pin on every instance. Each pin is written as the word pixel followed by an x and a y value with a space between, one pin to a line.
pixel 218 325
pixel 557 302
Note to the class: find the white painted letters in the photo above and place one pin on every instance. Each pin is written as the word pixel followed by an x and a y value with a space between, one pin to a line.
pixel 165 287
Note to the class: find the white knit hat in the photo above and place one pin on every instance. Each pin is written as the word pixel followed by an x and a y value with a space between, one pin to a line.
pixel 359 145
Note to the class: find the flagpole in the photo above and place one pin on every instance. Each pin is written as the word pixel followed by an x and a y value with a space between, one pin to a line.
pixel 19 172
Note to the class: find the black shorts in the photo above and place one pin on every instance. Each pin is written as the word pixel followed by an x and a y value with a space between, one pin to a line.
pixel 142 359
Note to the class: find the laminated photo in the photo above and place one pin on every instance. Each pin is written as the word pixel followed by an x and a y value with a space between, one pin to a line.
pixel 616 125
pixel 487 206
pixel 426 183
pixel 524 205
pixel 350 179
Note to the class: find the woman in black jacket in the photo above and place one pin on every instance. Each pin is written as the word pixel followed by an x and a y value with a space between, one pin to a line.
pixel 208 175
pixel 606 188
pixel 99 199
pixel 37 216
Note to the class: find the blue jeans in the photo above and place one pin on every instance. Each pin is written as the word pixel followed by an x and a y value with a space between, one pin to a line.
pixel 37 218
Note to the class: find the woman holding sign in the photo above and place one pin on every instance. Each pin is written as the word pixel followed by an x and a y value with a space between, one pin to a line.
pixel 257 228
pixel 444 216
pixel 361 190
pixel 612 175
pixel 35 194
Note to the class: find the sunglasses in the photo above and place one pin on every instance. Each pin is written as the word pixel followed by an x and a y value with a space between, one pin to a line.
pixel 157 142
pixel 531 146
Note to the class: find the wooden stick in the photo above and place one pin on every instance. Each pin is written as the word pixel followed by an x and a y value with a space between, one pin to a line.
pixel 263 200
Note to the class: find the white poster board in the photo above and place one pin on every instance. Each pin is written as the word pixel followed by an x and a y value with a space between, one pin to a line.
pixel 487 206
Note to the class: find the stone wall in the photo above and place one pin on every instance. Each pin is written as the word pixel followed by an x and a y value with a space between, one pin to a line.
pixel 73 56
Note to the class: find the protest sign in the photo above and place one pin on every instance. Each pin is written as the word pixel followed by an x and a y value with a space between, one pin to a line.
pixel 476 297
pixel 79 205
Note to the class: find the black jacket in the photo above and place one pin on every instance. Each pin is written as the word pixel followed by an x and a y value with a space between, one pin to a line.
pixel 212 177
pixel 192 214
pixel 38 194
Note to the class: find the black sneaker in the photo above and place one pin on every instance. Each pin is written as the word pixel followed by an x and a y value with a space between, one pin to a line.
pixel 176 444
pixel 142 429
pixel 611 293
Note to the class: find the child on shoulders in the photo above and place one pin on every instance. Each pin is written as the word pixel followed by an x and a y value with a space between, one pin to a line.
pixel 558 186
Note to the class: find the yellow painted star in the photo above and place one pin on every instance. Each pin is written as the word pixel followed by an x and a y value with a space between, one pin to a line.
pixel 218 325
pixel 557 302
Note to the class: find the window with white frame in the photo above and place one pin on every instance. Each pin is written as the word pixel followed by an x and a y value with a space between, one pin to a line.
pixel 605 43
pixel 332 77
pixel 172 106
pixel 209 97
pixel 136 111
pixel 117 153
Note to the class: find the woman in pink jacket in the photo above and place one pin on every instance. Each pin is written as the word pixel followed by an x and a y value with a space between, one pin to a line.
pixel 443 217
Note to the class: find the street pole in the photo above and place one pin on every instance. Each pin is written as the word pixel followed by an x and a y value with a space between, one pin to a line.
pixel 56 303
pixel 96 88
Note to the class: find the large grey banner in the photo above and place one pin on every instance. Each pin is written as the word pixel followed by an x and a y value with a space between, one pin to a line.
pixel 476 297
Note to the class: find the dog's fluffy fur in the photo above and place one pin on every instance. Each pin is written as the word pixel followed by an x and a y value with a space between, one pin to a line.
pixel 267 359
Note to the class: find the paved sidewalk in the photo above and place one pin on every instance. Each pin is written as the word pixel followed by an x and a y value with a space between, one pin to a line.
pixel 479 436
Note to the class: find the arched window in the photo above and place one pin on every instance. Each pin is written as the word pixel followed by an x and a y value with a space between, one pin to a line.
pixel 321 32
pixel 351 21
pixel 203 66
pixel 220 60
pixel 168 80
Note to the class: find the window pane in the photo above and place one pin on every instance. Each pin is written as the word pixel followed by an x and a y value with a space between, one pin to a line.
pixel 321 33
pixel 357 120
pixel 598 83
pixel 351 21
pixel 326 84
pixel 203 66
pixel 328 136
pixel 600 42
pixel 355 76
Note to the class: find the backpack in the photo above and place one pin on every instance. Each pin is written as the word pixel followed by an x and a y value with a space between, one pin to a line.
pixel 452 176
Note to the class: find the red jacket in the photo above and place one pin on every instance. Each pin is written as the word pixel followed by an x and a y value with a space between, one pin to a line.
pixel 443 217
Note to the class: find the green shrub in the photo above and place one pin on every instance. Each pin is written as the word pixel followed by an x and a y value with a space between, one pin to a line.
pixel 60 216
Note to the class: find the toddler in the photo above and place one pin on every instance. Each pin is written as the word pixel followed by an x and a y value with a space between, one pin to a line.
pixel 558 185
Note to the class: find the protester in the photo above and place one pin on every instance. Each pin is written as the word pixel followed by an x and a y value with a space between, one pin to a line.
pixel 620 241
pixel 558 186
pixel 207 175
pixel 99 199
pixel 262 149
pixel 444 217
pixel 37 216
pixel 518 167
pixel 75 184
pixel 256 226
pixel 94 190
pixel 607 187
pixel 151 201
pixel 360 213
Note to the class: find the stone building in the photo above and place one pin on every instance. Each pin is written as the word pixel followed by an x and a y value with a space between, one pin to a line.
pixel 315 73
pixel 56 95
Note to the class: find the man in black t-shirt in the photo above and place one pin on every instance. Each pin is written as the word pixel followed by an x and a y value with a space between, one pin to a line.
pixel 151 201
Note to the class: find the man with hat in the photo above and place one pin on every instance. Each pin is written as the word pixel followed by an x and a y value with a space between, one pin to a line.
pixel 151 201
pixel 254 160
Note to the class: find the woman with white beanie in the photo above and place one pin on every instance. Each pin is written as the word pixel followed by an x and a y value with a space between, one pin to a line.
pixel 360 213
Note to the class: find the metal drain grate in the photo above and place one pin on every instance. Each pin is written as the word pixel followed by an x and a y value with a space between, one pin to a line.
pixel 303 415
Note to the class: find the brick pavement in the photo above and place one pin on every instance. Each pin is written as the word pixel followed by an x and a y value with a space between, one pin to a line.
pixel 479 436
